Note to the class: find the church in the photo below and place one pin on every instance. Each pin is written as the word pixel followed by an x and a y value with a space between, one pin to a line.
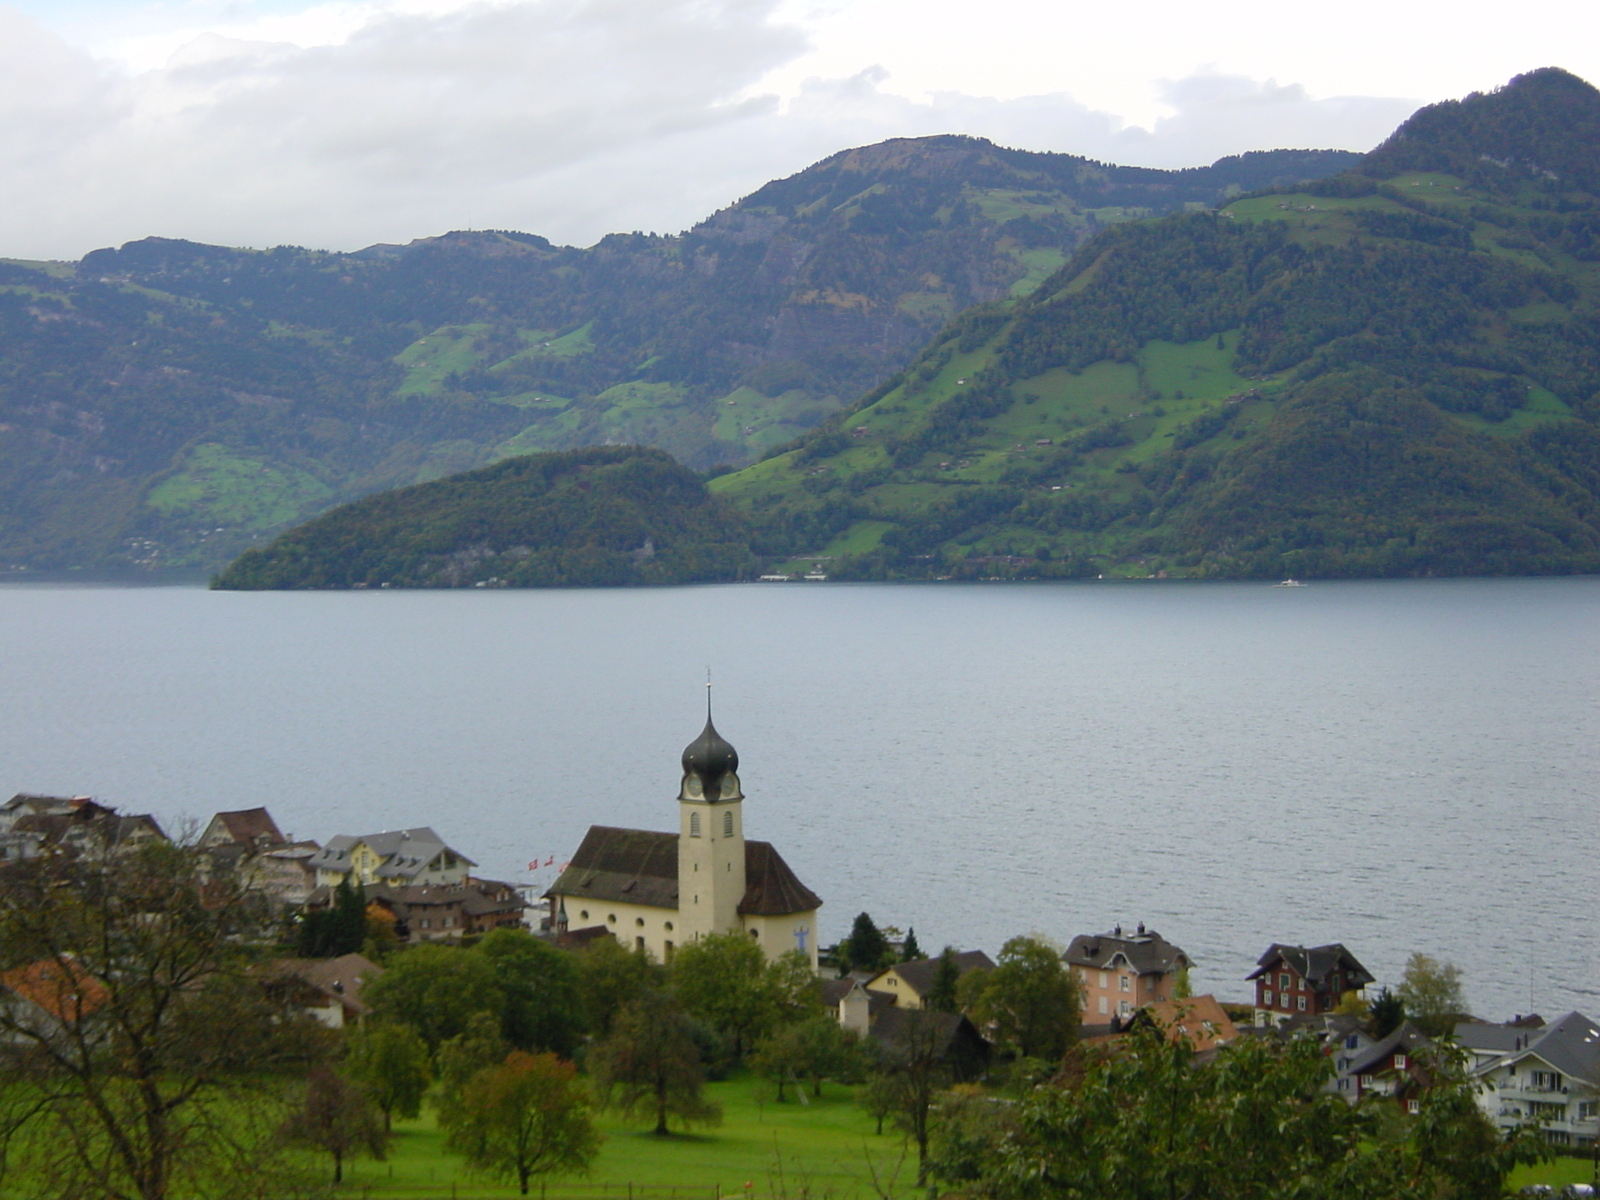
pixel 656 891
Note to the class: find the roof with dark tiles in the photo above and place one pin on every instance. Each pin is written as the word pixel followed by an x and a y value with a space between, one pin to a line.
pixel 640 866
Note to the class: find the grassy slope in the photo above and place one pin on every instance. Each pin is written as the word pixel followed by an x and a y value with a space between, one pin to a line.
pixel 1146 403
pixel 818 1149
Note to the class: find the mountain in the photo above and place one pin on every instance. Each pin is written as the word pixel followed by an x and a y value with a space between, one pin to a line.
pixel 169 403
pixel 1392 371
pixel 604 516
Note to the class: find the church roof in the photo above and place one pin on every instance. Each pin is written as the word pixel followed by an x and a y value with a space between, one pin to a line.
pixel 640 866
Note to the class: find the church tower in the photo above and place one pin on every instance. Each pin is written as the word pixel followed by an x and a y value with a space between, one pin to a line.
pixel 711 851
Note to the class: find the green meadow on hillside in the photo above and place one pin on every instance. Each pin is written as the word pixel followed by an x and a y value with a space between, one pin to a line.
pixel 826 1148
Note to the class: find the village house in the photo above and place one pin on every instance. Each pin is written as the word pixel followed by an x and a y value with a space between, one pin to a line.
pixel 249 841
pixel 1294 981
pixel 32 825
pixel 1121 972
pixel 433 913
pixel 1548 1074
pixel 50 997
pixel 1198 1020
pixel 909 983
pixel 327 988
pixel 655 891
pixel 399 858
pixel 1397 1066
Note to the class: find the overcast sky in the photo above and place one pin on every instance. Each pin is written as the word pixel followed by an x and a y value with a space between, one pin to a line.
pixel 340 124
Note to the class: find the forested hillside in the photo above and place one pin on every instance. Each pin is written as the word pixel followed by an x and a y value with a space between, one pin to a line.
pixel 1391 371
pixel 168 403
pixel 604 516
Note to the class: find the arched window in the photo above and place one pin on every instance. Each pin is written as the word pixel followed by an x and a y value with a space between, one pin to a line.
pixel 727 823
pixel 694 824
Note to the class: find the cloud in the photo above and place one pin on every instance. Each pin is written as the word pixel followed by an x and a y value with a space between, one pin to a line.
pixel 569 118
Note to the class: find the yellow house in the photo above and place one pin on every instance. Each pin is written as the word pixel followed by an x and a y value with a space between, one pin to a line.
pixel 910 982
pixel 655 891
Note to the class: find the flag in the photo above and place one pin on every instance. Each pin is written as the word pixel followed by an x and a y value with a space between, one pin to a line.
pixel 551 861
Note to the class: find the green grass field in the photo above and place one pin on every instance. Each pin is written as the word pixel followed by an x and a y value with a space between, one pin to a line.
pixel 816 1150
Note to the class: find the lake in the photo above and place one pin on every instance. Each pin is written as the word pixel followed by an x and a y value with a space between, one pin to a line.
pixel 1397 765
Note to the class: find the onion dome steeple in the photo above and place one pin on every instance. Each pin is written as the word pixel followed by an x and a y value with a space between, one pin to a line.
pixel 710 765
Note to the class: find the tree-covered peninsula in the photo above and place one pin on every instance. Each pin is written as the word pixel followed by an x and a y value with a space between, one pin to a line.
pixel 602 516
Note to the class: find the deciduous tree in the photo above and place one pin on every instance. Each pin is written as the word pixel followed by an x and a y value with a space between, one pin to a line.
pixel 337 1117
pixel 1029 1003
pixel 611 976
pixel 650 1064
pixel 390 1064
pixel 543 1005
pixel 814 1049
pixel 136 1022
pixel 1431 991
pixel 527 1117
pixel 435 990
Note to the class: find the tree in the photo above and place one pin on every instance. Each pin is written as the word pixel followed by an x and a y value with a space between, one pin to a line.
pixel 435 990
pixel 477 1047
pixel 543 1005
pixel 137 1025
pixel 527 1117
pixel 942 996
pixel 909 950
pixel 1386 1013
pixel 337 1117
pixel 390 1063
pixel 1029 1002
pixel 726 981
pixel 817 1048
pixel 866 948
pixel 1146 1121
pixel 1431 991
pixel 650 1064
pixel 910 1073
pixel 610 976
pixel 341 928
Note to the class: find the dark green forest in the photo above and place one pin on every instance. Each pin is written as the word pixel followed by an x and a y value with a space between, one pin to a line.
pixel 168 403
pixel 606 516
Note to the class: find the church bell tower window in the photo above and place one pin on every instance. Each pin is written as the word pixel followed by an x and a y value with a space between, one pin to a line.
pixel 694 824
pixel 727 824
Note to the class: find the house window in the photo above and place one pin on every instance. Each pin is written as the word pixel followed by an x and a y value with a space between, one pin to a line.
pixel 727 823
pixel 1366 1081
pixel 1546 1081
pixel 1283 983
pixel 1105 979
pixel 1587 1109
pixel 1399 1062
pixel 669 928
pixel 1351 1042
pixel 1413 1107
pixel 612 918
pixel 1266 999
pixel 1105 1009
pixel 1123 983
pixel 694 824
pixel 1302 1004
pixel 639 921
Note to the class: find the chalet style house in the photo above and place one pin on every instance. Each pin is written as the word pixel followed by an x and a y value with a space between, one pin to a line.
pixel 398 857
pixel 78 825
pixel 1293 981
pixel 655 891
pixel 1121 973
pixel 1548 1073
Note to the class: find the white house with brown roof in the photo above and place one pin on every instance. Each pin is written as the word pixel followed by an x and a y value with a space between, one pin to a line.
pixel 655 891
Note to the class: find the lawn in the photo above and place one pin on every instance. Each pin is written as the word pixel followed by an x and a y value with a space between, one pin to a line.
pixel 761 1149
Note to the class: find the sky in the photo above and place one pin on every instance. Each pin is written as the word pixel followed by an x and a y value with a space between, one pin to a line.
pixel 341 123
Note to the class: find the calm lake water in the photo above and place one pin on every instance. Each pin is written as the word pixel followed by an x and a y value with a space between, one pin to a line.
pixel 1396 765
